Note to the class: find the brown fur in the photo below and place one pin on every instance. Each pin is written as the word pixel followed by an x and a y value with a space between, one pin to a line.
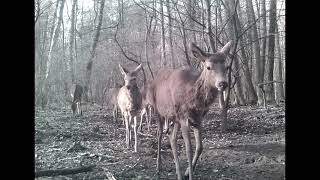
pixel 129 101
pixel 76 94
pixel 183 96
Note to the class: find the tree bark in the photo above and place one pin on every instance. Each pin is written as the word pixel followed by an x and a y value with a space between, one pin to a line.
pixel 271 44
pixel 54 37
pixel 256 45
pixel 232 31
pixel 279 86
pixel 71 41
pixel 93 50
pixel 163 61
pixel 264 40
pixel 170 33
pixel 210 34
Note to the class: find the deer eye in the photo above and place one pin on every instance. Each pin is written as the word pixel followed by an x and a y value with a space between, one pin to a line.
pixel 208 67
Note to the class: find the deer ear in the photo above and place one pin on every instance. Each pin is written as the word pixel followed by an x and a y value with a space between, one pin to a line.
pixel 226 48
pixel 123 70
pixel 138 68
pixel 197 52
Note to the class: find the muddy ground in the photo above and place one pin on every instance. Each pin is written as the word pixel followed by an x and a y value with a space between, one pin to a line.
pixel 253 148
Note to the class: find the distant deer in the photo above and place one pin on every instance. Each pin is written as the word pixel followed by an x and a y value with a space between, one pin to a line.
pixel 146 108
pixel 114 102
pixel 76 94
pixel 183 96
pixel 129 101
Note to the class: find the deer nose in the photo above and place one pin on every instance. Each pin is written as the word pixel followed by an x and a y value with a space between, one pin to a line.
pixel 223 84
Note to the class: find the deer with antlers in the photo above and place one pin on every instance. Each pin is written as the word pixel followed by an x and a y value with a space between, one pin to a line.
pixel 184 96
pixel 129 101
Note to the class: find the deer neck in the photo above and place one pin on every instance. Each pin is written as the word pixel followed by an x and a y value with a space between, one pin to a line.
pixel 205 90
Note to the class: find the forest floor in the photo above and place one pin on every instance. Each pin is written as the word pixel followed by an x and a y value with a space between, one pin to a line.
pixel 253 147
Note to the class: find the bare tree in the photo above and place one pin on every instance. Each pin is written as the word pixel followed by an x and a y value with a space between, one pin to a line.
pixel 271 44
pixel 163 38
pixel 256 45
pixel 170 33
pixel 93 50
pixel 210 34
pixel 71 41
pixel 279 92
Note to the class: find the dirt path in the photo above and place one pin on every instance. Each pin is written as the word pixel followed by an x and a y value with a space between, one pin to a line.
pixel 253 148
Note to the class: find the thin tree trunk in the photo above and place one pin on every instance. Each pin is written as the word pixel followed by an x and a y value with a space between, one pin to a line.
pixel 271 44
pixel 170 33
pixel 163 61
pixel 210 34
pixel 71 41
pixel 232 30
pixel 146 46
pixel 279 86
pixel 264 40
pixel 192 13
pixel 54 37
pixel 93 50
pixel 256 45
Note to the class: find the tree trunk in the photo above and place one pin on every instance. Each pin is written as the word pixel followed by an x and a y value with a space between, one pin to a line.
pixel 232 31
pixel 146 46
pixel 170 33
pixel 279 86
pixel 271 44
pixel 210 34
pixel 54 37
pixel 252 96
pixel 71 41
pixel 256 46
pixel 191 16
pixel 163 39
pixel 93 50
pixel 264 40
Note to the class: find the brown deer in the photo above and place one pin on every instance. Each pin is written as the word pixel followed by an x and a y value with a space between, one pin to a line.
pixel 184 96
pixel 114 102
pixel 76 94
pixel 129 101
pixel 146 108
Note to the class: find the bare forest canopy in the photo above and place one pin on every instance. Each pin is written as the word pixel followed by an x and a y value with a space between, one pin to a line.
pixel 83 41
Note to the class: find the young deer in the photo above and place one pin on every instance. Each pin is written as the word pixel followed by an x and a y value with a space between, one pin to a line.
pixel 129 102
pixel 76 94
pixel 183 96
pixel 146 108
pixel 114 102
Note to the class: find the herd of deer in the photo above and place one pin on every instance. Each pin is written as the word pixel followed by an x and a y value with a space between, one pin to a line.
pixel 180 96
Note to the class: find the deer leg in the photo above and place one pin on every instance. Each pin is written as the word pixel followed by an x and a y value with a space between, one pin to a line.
pixel 159 133
pixel 199 148
pixel 173 143
pixel 141 118
pixel 135 134
pixel 115 114
pixel 130 124
pixel 149 120
pixel 127 130
pixel 186 137
pixel 80 108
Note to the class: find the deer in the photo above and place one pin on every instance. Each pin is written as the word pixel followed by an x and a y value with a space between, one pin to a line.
pixel 76 95
pixel 183 96
pixel 114 102
pixel 129 101
pixel 146 108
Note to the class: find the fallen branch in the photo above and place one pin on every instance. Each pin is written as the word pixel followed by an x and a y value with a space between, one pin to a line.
pixel 66 171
